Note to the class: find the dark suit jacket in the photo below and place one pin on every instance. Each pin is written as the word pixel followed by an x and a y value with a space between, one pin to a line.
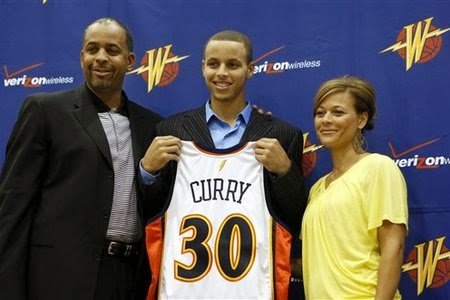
pixel 288 193
pixel 56 191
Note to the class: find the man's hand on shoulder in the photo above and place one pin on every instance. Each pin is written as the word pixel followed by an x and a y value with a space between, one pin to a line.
pixel 261 111
pixel 271 154
pixel 162 150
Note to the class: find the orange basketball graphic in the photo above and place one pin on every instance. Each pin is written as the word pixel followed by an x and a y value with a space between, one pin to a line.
pixel 309 160
pixel 170 73
pixel 431 47
pixel 442 274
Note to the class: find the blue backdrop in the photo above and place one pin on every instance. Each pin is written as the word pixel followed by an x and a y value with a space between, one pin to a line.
pixel 402 47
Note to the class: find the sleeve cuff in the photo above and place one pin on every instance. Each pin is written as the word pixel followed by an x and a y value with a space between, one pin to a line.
pixel 147 178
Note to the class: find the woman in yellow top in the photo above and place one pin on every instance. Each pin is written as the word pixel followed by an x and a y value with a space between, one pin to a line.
pixel 354 227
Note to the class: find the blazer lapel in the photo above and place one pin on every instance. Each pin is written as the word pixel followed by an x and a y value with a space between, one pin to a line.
pixel 260 126
pixel 86 113
pixel 195 125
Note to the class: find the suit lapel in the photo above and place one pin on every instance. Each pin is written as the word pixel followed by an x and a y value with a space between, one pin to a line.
pixel 259 126
pixel 86 113
pixel 195 125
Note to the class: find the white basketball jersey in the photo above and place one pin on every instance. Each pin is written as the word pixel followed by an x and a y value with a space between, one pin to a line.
pixel 217 232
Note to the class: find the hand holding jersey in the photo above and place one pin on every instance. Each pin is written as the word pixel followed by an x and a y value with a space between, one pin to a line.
pixel 162 150
pixel 272 156
pixel 166 148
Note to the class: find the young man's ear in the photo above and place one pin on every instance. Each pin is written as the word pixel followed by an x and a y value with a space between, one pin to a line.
pixel 81 59
pixel 251 68
pixel 203 67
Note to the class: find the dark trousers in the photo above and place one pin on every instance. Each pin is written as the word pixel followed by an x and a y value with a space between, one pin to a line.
pixel 116 278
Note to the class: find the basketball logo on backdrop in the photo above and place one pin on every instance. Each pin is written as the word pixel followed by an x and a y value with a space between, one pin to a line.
pixel 428 264
pixel 159 67
pixel 309 158
pixel 418 43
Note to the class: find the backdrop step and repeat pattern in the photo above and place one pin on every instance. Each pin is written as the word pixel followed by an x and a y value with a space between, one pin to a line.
pixel 402 47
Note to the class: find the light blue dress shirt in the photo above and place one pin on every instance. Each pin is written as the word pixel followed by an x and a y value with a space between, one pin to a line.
pixel 225 135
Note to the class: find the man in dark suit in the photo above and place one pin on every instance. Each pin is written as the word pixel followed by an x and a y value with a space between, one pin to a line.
pixel 71 216
pixel 226 120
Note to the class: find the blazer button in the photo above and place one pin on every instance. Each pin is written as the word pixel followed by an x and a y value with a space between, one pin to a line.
pixel 105 215
pixel 97 257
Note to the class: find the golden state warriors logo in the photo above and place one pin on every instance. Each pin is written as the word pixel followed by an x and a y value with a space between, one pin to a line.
pixel 418 43
pixel 428 264
pixel 309 158
pixel 159 67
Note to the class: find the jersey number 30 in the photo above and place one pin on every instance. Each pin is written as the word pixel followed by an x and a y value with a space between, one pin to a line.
pixel 234 251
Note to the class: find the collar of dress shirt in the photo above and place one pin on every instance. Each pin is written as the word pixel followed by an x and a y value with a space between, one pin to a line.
pixel 244 114
pixel 102 107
